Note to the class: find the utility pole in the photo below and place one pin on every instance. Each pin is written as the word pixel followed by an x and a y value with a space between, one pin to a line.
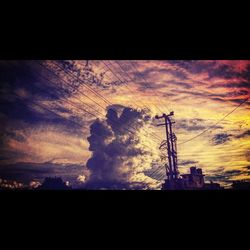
pixel 172 170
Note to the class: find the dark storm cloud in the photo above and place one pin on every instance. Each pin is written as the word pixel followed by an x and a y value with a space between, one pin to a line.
pixel 99 134
pixel 113 148
pixel 129 117
pixel 221 138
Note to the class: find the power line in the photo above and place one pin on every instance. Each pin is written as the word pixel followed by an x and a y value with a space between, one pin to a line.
pixel 68 84
pixel 214 124
pixel 131 91
pixel 71 102
pixel 132 80
pixel 106 67
pixel 142 77
pixel 76 123
pixel 83 83
pixel 68 101
pixel 133 132
pixel 160 174
pixel 45 108
pixel 125 84
pixel 161 177
pixel 159 168
pixel 67 72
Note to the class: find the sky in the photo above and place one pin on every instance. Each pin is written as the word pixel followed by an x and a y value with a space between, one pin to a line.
pixel 92 122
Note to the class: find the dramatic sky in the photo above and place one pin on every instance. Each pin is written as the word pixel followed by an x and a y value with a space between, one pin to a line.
pixel 92 122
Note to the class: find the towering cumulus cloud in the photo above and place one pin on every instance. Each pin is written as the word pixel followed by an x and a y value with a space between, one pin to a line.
pixel 119 154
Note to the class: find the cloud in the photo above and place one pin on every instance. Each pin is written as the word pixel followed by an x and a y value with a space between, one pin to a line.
pixel 118 160
pixel 221 138
pixel 235 96
pixel 226 69
pixel 244 134
pixel 178 73
pixel 187 162
pixel 226 177
pixel 222 176
pixel 194 124
pixel 180 84
pixel 232 172
pixel 193 66
pixel 150 86
pixel 230 85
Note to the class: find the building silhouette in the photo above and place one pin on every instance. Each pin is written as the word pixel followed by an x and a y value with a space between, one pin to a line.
pixel 191 181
